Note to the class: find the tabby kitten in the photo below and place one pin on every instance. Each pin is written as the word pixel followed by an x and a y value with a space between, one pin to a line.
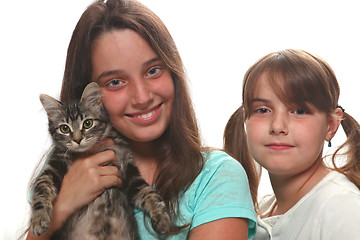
pixel 75 129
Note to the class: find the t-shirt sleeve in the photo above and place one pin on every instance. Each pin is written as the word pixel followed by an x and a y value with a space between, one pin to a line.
pixel 223 192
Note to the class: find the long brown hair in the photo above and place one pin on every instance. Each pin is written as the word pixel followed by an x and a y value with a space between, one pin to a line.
pixel 297 78
pixel 180 144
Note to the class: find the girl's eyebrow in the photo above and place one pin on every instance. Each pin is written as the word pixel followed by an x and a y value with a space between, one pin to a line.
pixel 119 71
pixel 151 61
pixel 108 73
pixel 260 100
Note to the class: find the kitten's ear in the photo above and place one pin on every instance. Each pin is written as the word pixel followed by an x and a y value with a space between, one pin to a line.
pixel 91 96
pixel 50 104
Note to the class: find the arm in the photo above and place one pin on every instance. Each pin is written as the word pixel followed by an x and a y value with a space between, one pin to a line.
pixel 223 229
pixel 222 204
pixel 86 179
pixel 59 215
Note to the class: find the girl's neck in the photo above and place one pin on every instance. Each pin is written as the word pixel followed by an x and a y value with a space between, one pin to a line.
pixel 144 150
pixel 146 156
pixel 290 189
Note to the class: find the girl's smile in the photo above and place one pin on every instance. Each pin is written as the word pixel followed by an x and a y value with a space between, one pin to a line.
pixel 146 117
pixel 138 91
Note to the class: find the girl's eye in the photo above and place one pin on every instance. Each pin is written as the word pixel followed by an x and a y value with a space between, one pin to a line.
pixel 115 83
pixel 88 123
pixel 153 71
pixel 64 129
pixel 262 110
pixel 299 112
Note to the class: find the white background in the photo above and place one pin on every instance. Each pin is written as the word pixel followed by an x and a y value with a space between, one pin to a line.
pixel 218 42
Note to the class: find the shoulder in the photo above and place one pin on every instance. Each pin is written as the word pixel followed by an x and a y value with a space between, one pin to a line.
pixel 222 170
pixel 341 207
pixel 341 182
pixel 342 195
pixel 327 194
pixel 334 186
pixel 218 160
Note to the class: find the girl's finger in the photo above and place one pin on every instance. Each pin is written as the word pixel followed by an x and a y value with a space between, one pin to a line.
pixel 108 170
pixel 100 158
pixel 111 181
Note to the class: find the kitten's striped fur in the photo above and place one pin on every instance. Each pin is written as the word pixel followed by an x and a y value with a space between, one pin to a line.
pixel 75 129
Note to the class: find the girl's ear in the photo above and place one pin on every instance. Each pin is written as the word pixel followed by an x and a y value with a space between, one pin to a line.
pixel 334 123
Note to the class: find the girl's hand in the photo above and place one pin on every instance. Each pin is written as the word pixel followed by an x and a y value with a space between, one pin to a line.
pixel 86 179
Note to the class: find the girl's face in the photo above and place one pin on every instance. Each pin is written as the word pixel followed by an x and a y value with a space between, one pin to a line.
pixel 284 141
pixel 138 91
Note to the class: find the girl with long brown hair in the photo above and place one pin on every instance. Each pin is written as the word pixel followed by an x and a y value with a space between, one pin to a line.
pixel 128 51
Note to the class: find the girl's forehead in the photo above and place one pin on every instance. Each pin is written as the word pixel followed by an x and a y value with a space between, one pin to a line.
pixel 272 86
pixel 266 82
pixel 264 91
pixel 260 87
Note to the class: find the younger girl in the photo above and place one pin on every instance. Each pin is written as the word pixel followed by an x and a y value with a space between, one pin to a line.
pixel 290 106
pixel 128 51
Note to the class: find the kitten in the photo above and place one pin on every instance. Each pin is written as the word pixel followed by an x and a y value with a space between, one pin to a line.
pixel 75 129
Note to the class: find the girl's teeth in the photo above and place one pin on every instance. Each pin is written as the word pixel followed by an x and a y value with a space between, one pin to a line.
pixel 144 116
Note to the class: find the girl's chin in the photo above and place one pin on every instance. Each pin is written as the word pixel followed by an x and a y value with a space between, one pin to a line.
pixel 145 135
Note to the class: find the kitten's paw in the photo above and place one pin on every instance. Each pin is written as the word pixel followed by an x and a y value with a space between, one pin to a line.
pixel 39 223
pixel 162 223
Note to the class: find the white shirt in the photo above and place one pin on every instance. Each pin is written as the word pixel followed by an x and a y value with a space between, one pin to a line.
pixel 329 211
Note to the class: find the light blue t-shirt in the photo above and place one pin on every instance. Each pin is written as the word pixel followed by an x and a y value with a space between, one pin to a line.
pixel 221 190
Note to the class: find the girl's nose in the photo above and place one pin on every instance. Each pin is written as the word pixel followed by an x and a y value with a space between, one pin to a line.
pixel 279 124
pixel 141 93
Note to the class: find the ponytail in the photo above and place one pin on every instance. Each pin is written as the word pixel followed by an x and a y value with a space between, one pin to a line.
pixel 351 169
pixel 235 144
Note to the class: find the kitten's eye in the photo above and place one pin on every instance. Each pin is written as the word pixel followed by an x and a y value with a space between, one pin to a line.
pixel 88 123
pixel 64 129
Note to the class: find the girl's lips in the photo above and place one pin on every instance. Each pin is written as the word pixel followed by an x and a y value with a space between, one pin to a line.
pixel 146 117
pixel 279 146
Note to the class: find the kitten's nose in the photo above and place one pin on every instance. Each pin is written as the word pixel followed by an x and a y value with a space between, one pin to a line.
pixel 77 137
pixel 77 140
